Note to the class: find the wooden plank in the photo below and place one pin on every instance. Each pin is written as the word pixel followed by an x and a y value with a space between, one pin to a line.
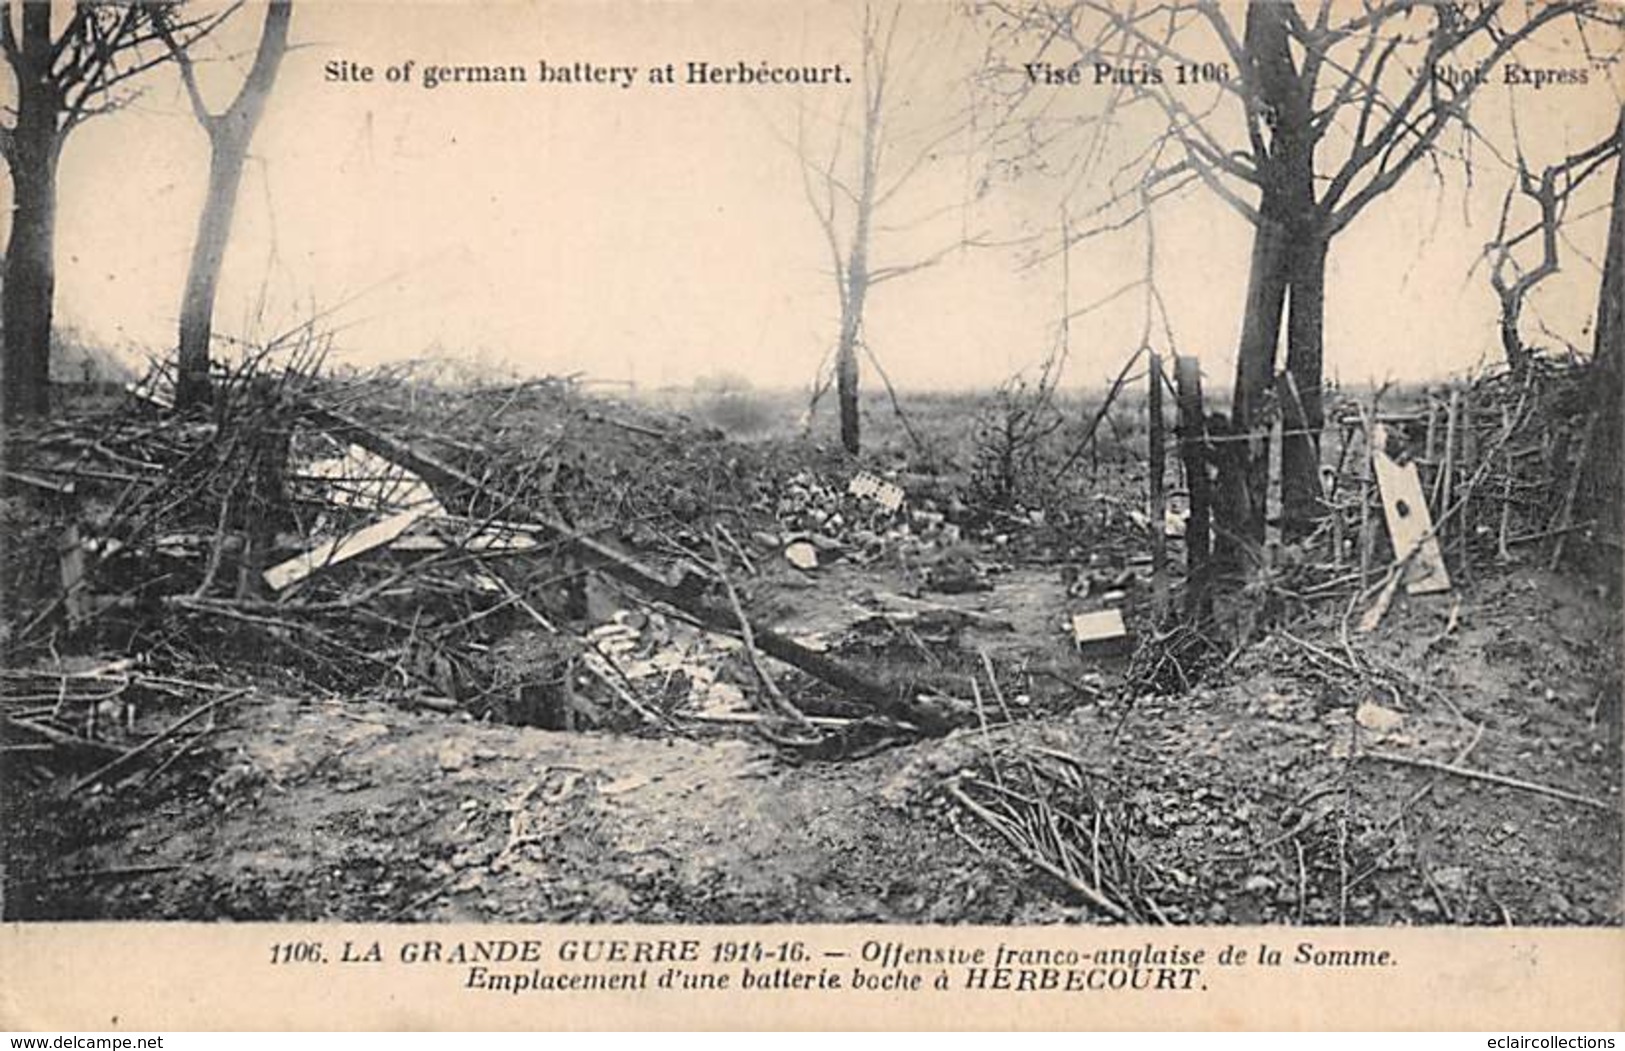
pixel 747 718
pixel 1410 526
pixel 498 539
pixel 334 552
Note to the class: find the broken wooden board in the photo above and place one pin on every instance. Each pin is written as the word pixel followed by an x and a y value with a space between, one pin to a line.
pixel 1410 526
pixel 1101 633
pixel 362 479
pixel 284 575
pixel 492 541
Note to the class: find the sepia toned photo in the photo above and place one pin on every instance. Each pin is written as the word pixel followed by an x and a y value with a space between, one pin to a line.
pixel 1047 484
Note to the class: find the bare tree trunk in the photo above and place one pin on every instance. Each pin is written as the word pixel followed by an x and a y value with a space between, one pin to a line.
pixel 1159 501
pixel 1288 251
pixel 1605 484
pixel 229 136
pixel 1301 499
pixel 203 276
pixel 1511 342
pixel 1255 363
pixel 846 389
pixel 846 352
pixel 30 282
pixel 1193 451
pixel 30 263
pixel 857 276
pixel 1610 332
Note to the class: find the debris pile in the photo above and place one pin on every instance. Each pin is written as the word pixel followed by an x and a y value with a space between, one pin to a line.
pixel 507 560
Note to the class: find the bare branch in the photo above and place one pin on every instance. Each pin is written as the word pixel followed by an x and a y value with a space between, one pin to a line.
pixel 1441 114
pixel 1374 14
pixel 1322 119
pixel 887 273
pixel 1551 192
pixel 72 33
pixel 8 36
pixel 183 60
pixel 926 153
pixel 99 58
pixel 823 211
pixel 1241 207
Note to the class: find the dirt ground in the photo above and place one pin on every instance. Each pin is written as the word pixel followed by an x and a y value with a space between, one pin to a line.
pixel 331 808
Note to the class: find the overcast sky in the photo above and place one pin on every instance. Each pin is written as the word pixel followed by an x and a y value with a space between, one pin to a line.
pixel 661 233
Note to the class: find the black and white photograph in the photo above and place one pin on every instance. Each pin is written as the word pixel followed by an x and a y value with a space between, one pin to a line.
pixel 989 463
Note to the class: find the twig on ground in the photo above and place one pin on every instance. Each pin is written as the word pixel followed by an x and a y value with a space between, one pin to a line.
pixel 1088 893
pixel 1496 779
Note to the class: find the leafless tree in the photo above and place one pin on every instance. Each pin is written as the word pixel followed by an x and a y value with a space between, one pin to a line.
pixel 69 63
pixel 1552 192
pixel 861 177
pixel 230 133
pixel 1298 119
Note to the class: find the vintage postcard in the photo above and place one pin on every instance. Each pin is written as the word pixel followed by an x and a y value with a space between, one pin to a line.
pixel 1089 514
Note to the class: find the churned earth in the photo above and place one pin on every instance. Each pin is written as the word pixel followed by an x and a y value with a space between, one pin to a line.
pixel 1282 788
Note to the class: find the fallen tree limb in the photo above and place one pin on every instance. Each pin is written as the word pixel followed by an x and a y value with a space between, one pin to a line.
pixel 61 738
pixel 908 604
pixel 775 696
pixel 1494 779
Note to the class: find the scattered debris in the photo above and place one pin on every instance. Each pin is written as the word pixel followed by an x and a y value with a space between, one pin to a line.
pixel 887 495
pixel 351 545
pixel 956 573
pixel 490 555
